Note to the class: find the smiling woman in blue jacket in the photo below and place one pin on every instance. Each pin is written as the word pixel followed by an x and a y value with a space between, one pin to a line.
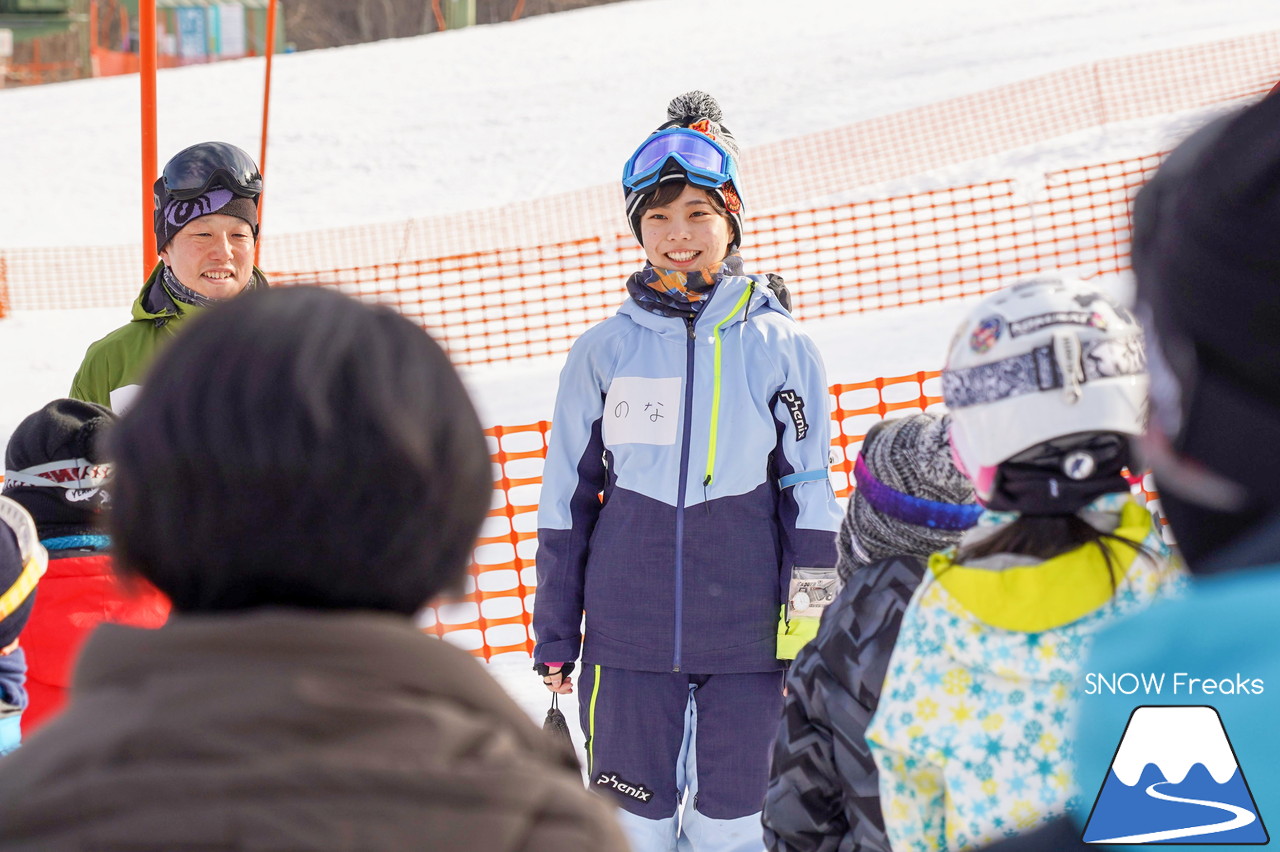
pixel 686 478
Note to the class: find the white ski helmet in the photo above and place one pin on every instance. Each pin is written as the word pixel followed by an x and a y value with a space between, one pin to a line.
pixel 1045 358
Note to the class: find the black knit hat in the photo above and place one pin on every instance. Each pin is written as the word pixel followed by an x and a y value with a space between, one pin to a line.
pixel 908 457
pixel 55 468
pixel 177 213
pixel 699 111
pixel 18 577
pixel 1207 262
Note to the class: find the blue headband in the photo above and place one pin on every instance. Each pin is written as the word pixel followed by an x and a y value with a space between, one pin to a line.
pixel 913 510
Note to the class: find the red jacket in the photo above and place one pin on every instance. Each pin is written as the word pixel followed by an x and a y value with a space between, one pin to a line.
pixel 75 595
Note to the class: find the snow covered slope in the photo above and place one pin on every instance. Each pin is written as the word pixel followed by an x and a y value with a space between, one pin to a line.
pixel 486 116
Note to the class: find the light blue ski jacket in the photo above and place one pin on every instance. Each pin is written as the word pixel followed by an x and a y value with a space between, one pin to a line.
pixel 686 474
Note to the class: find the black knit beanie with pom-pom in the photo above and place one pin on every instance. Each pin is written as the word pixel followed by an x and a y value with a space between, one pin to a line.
pixel 696 111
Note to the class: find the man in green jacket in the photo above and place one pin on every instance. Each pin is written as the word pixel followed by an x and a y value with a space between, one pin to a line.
pixel 206 224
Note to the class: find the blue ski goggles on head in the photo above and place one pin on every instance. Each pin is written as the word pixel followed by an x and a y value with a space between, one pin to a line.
pixel 702 159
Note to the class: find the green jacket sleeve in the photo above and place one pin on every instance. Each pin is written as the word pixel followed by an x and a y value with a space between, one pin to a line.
pixel 90 382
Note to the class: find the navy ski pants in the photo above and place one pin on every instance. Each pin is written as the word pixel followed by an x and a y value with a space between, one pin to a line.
pixel 640 727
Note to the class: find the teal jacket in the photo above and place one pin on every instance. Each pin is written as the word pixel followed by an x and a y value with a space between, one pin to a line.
pixel 1223 632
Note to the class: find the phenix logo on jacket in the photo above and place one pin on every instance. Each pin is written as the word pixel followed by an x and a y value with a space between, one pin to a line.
pixel 683 481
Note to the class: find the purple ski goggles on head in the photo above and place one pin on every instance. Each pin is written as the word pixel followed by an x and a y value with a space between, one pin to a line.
pixel 912 510
pixel 702 159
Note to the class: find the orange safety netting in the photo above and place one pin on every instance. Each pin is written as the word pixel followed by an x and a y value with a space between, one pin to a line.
pixel 507 304
pixel 495 616
pixel 794 189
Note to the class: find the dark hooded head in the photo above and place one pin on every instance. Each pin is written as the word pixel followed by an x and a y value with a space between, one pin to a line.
pixel 22 563
pixel 299 448
pixel 1207 262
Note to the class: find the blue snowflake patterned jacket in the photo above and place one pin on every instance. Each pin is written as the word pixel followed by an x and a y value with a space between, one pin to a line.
pixel 974 733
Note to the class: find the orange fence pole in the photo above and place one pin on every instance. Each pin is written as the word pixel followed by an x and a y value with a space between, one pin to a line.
pixel 147 75
pixel 93 38
pixel 266 110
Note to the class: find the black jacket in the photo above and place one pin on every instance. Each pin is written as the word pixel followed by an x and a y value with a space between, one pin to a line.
pixel 824 791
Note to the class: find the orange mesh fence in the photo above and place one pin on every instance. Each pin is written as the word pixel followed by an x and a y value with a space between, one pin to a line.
pixel 950 243
pixel 504 304
pixel 924 247
pixel 495 616
pixel 793 187
pixel 4 287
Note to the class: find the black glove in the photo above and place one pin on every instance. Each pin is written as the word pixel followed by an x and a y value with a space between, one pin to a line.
pixel 541 668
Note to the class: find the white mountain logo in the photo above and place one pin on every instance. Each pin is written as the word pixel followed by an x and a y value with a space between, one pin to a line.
pixel 1175 779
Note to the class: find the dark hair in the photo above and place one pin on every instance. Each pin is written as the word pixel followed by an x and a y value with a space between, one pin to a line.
pixel 1041 531
pixel 1047 536
pixel 668 192
pixel 295 447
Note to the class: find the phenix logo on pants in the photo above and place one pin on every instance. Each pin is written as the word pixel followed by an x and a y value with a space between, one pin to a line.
pixel 635 791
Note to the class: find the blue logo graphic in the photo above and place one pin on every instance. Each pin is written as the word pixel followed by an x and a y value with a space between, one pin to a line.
pixel 1175 779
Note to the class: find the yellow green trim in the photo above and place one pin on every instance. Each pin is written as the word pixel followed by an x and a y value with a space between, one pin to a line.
pixel 1051 593
pixel 591 721
pixel 794 634
pixel 32 570
pixel 715 391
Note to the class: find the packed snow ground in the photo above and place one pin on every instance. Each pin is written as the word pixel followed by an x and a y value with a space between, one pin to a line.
pixel 487 116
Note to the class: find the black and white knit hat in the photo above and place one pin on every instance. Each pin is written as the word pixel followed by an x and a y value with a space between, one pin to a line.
pixel 55 468
pixel 910 500
pixel 699 111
